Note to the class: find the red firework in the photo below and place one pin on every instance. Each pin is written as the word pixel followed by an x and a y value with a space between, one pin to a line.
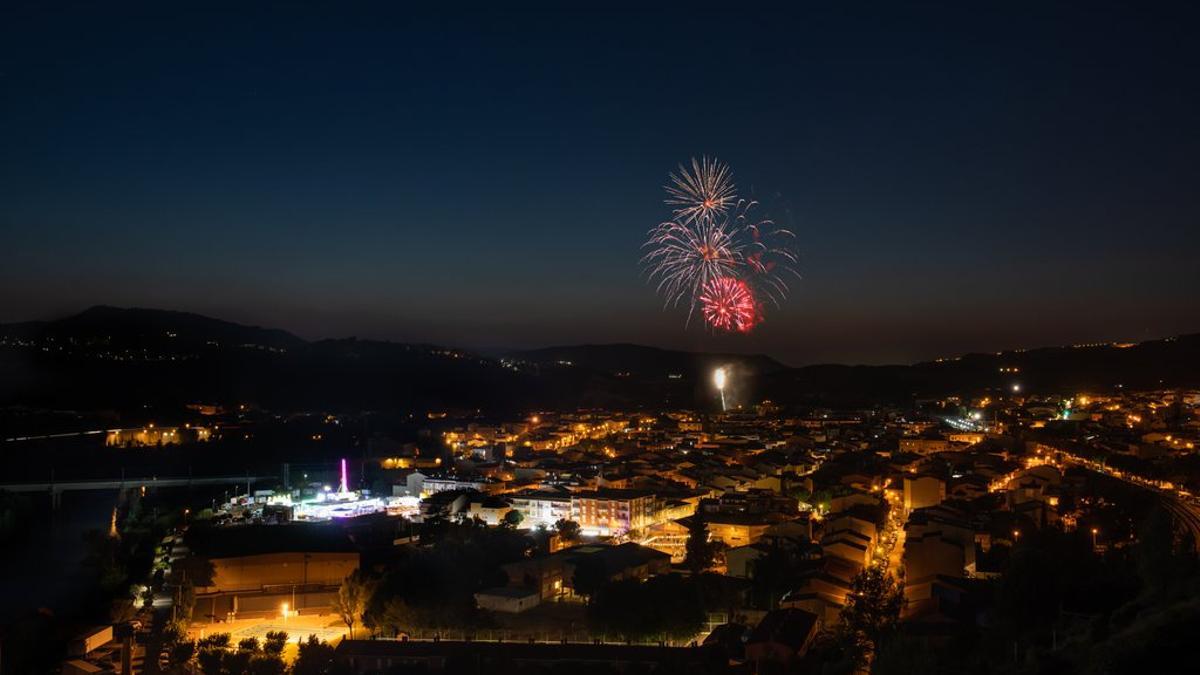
pixel 728 304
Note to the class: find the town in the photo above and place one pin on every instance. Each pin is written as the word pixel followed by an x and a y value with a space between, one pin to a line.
pixel 758 535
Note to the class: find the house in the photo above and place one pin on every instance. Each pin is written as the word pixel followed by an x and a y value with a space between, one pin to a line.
pixel 947 608
pixel 554 575
pixel 542 507
pixel 950 522
pixel 782 637
pixel 508 599
pixel 81 667
pixel 850 545
pixel 445 504
pixel 736 529
pixel 489 509
pixel 862 518
pixel 922 491
pixel 822 590
pixel 849 498
pixel 729 640
pixel 931 555
pixel 924 446
pixel 91 640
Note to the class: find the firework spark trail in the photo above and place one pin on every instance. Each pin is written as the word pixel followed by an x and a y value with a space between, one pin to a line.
pixel 768 257
pixel 728 304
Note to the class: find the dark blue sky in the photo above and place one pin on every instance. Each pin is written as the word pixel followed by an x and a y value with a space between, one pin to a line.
pixel 959 179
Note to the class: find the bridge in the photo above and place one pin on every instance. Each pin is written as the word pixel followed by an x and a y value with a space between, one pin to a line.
pixel 56 488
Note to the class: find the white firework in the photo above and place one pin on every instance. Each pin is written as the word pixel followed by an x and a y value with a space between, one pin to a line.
pixel 704 193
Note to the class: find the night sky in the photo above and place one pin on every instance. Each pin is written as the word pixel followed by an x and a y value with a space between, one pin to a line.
pixel 959 180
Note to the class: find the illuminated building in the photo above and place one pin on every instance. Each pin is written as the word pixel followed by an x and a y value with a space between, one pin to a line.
pixel 151 435
pixel 542 507
pixel 923 491
pixel 612 511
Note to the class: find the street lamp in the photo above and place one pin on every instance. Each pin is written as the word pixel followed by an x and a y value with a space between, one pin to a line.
pixel 283 609
pixel 1016 536
pixel 1095 531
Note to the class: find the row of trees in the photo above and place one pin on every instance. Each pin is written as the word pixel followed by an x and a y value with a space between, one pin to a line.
pixel 216 655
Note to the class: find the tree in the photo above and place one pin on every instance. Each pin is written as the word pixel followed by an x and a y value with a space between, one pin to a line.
pixel 699 551
pixel 513 518
pixel 267 664
pixel 236 662
pixel 352 598
pixel 211 660
pixel 181 653
pixel 872 611
pixel 771 575
pixel 568 530
pixel 397 616
pixel 186 604
pixel 197 571
pixel 663 607
pixel 274 643
pixel 249 644
pixel 314 657
pixel 173 633
pixel 215 640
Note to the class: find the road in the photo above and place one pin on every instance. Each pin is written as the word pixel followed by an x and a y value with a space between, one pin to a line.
pixel 1184 514
pixel 1185 510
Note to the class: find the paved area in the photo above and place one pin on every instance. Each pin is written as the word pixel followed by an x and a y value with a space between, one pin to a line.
pixel 326 627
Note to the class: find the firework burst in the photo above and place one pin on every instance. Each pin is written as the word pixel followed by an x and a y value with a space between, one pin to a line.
pixel 728 305
pixel 683 258
pixel 704 193
pixel 715 254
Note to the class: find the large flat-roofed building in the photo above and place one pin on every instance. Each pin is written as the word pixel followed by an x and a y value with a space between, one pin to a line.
pixel 254 569
pixel 254 558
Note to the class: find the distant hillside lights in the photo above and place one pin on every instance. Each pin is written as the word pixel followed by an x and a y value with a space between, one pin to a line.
pixel 538 434
pixel 410 462
pixel 150 436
